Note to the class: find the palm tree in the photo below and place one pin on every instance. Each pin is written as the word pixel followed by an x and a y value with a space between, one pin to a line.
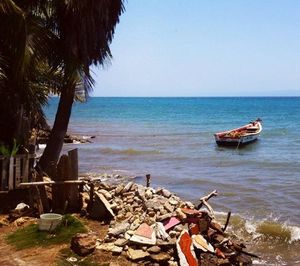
pixel 84 32
pixel 24 45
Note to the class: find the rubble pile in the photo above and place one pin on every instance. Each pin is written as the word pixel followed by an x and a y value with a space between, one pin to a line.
pixel 154 226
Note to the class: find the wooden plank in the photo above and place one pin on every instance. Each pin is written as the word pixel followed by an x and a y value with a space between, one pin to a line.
pixel 43 183
pixel 11 174
pixel 73 157
pixel 4 174
pixel 25 168
pixel 73 190
pixel 18 171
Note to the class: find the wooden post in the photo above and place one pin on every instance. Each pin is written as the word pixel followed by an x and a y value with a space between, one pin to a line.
pixel 11 174
pixel 148 177
pixel 59 192
pixel 25 168
pixel 72 190
pixel 5 162
pixel 18 171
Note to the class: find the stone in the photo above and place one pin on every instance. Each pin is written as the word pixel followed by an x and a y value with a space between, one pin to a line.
pixel 134 226
pixel 148 194
pixel 116 250
pixel 154 249
pixel 83 244
pixel 166 193
pixel 161 257
pixel 121 242
pixel 137 254
pixel 155 203
pixel 127 187
pixel 164 217
pixel 119 189
pixel 180 214
pixel 173 202
pixel 106 247
pixel 151 213
pixel 189 204
pixel 173 234
pixel 105 193
pixel 119 229
pixel 101 209
pixel 141 192
pixel 169 207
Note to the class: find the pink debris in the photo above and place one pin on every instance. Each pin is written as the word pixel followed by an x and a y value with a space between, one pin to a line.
pixel 144 230
pixel 171 222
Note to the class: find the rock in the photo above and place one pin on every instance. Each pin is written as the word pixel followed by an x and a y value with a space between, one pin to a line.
pixel 161 257
pixel 119 229
pixel 173 202
pixel 164 217
pixel 83 244
pixel 148 194
pixel 180 214
pixel 127 187
pixel 4 222
pixel 137 254
pixel 172 263
pixel 154 249
pixel 105 193
pixel 101 209
pixel 134 226
pixel 173 234
pixel 119 188
pixel 106 247
pixel 155 203
pixel 20 221
pixel 116 250
pixel 189 205
pixel 169 207
pixel 141 192
pixel 121 242
pixel 166 193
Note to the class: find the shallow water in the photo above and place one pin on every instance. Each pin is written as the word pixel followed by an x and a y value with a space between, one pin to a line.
pixel 172 139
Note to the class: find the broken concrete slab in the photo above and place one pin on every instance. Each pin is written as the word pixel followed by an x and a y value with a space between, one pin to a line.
pixel 137 254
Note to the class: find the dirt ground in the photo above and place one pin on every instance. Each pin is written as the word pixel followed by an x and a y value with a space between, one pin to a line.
pixel 50 255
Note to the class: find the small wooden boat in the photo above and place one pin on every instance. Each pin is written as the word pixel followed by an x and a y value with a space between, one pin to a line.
pixel 240 136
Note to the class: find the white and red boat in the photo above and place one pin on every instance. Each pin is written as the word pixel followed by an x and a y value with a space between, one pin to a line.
pixel 240 136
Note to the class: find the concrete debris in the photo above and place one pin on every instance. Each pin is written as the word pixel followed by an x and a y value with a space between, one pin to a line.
pixel 155 227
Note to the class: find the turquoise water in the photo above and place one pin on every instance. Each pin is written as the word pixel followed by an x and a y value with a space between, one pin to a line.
pixel 172 139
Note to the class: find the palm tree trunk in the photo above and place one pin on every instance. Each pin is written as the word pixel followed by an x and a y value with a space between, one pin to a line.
pixel 52 151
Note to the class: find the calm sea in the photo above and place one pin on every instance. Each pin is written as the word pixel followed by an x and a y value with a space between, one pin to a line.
pixel 172 139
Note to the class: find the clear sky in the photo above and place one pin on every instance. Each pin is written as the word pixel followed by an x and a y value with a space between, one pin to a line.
pixel 204 48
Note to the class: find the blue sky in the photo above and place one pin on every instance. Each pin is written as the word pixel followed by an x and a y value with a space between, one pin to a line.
pixel 204 48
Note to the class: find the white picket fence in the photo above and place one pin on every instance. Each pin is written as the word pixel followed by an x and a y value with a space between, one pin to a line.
pixel 15 170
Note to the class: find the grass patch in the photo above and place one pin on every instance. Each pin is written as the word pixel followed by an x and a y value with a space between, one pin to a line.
pixel 30 236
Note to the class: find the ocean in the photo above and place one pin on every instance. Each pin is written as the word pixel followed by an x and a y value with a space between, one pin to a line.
pixel 172 139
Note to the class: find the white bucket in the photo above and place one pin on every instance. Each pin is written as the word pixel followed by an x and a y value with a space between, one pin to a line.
pixel 49 221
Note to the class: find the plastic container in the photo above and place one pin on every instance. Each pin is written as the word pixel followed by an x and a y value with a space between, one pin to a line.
pixel 49 221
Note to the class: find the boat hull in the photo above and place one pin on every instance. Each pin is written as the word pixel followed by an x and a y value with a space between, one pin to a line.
pixel 239 136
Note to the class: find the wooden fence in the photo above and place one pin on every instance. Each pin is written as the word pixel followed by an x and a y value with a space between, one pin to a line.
pixel 15 170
